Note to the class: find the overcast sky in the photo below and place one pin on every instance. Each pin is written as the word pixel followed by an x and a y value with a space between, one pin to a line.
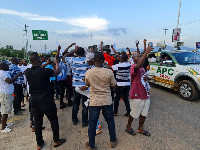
pixel 122 21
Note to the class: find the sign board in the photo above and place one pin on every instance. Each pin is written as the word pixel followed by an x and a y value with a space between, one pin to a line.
pixel 197 44
pixel 176 34
pixel 40 35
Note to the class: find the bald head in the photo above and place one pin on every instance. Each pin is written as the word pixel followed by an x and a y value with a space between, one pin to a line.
pixel 34 58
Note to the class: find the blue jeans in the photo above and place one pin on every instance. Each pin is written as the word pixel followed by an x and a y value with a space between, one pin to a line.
pixel 75 109
pixel 122 91
pixel 107 112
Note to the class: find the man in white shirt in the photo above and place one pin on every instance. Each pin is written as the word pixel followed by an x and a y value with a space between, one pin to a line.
pixel 6 91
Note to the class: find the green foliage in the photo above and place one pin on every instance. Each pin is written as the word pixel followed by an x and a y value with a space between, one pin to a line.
pixel 9 51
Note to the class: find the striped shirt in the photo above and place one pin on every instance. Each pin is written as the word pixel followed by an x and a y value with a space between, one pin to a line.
pixel 79 67
pixel 14 70
pixel 122 73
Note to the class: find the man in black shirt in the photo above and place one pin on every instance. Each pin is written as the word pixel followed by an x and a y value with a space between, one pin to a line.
pixel 41 99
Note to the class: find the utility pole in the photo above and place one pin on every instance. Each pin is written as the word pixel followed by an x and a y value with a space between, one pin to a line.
pixel 91 34
pixel 45 47
pixel 179 13
pixel 25 50
pixel 165 34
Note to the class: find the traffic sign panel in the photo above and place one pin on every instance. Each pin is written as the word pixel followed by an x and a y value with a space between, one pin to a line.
pixel 40 35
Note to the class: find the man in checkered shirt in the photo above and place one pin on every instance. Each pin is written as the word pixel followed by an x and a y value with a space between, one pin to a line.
pixel 18 86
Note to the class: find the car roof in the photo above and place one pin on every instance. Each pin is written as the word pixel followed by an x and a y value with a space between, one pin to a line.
pixel 173 51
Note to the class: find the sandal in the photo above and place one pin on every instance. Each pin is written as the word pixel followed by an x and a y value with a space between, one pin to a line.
pixel 60 142
pixel 131 132
pixel 146 133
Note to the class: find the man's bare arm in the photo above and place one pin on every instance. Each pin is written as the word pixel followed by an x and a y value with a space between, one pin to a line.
pixel 12 80
pixel 66 50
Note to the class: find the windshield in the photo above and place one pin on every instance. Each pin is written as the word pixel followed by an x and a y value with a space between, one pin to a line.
pixel 187 58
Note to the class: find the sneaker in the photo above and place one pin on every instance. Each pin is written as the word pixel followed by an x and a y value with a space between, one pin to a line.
pixel 98 131
pixel 9 124
pixel 6 130
pixel 99 126
pixel 113 144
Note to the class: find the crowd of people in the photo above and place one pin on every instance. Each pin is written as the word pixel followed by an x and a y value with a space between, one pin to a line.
pixel 98 78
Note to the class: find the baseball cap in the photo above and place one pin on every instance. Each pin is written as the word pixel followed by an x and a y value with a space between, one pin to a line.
pixel 89 56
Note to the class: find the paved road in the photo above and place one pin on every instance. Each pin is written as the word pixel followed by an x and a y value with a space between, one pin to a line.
pixel 173 123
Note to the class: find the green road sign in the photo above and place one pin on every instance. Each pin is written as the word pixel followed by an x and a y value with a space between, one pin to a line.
pixel 40 35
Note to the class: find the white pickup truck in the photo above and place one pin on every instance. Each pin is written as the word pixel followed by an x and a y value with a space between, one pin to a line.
pixel 178 70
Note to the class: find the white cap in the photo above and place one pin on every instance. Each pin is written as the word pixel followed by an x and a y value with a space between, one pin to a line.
pixel 89 56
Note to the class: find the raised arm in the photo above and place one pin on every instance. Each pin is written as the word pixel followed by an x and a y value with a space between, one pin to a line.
pixel 145 44
pixel 57 71
pixel 142 59
pixel 66 50
pixel 101 46
pixel 129 51
pixel 138 51
pixel 47 63
pixel 72 52
pixel 113 49
pixel 58 52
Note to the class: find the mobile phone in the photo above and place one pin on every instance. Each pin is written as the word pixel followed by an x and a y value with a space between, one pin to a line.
pixel 52 58
pixel 150 44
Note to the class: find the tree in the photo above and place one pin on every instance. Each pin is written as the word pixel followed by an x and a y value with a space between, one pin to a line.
pixel 9 51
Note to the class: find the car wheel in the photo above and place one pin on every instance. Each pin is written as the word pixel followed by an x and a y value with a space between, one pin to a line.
pixel 187 90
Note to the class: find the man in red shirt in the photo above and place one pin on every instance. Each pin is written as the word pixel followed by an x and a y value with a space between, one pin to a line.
pixel 139 96
pixel 107 55
pixel 108 58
